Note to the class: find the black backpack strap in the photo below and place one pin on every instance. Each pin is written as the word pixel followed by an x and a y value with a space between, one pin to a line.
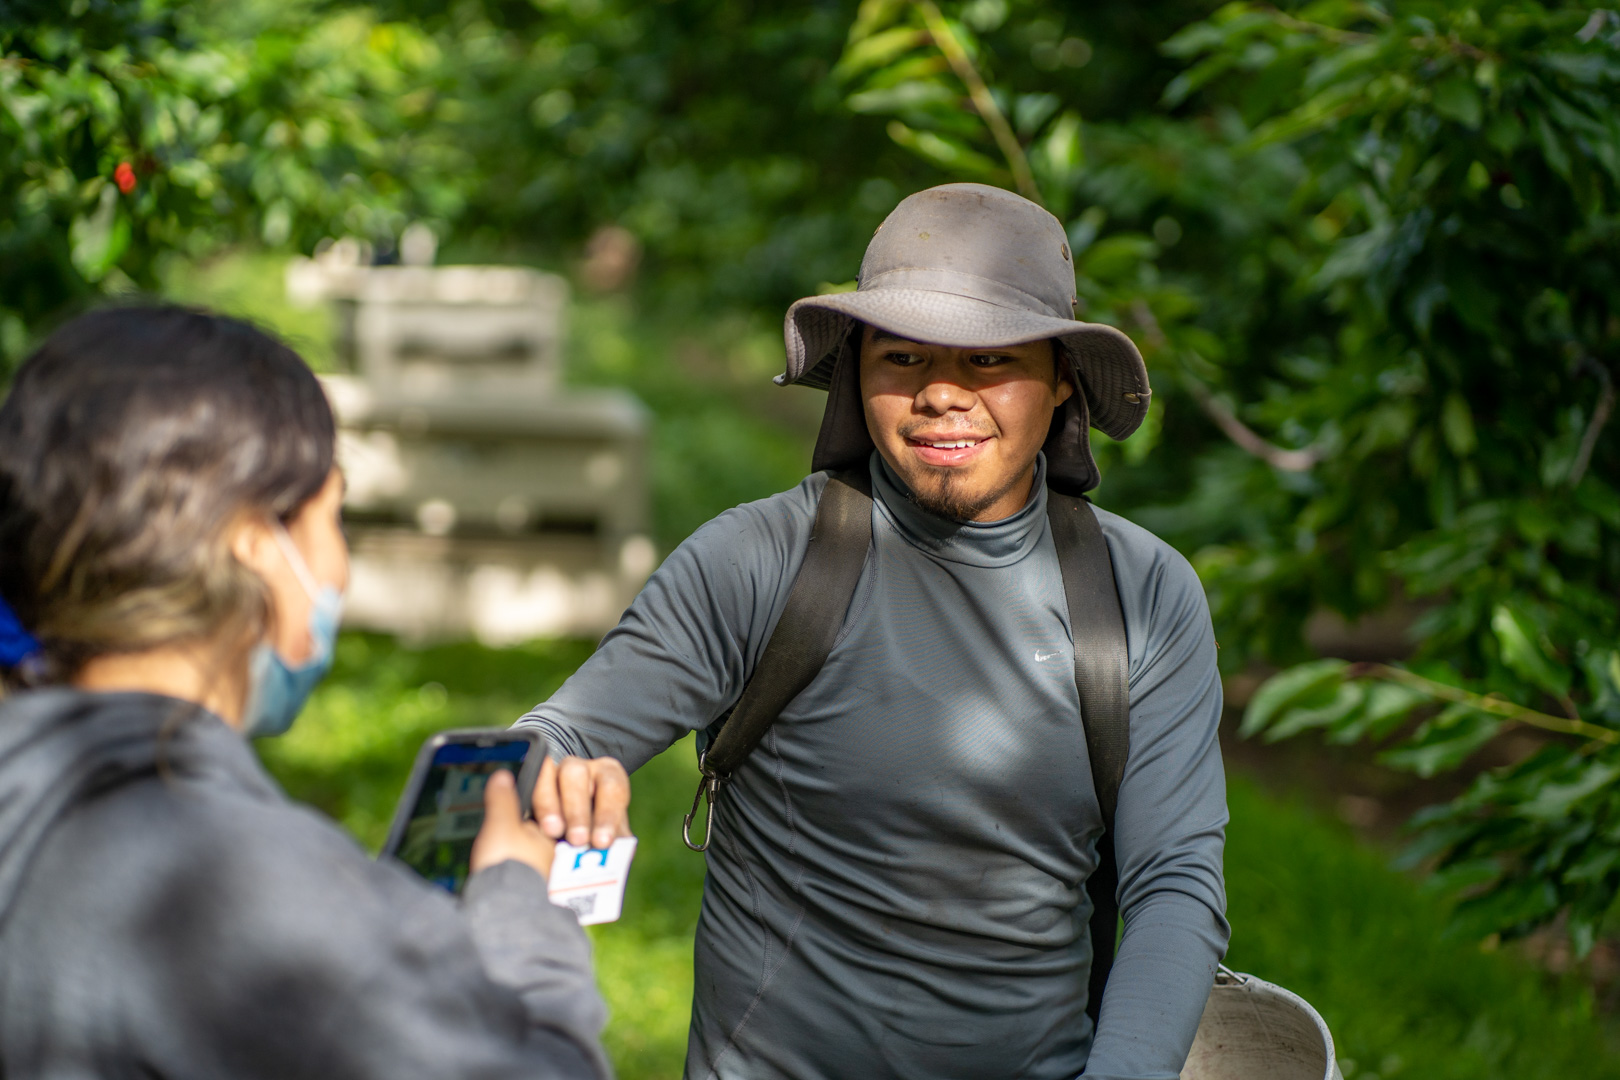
pixel 1101 673
pixel 803 637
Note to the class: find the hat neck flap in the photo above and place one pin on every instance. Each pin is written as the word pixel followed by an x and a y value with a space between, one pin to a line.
pixel 1070 468
pixel 844 441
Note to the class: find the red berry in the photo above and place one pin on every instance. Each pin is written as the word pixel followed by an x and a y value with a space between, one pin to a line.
pixel 124 177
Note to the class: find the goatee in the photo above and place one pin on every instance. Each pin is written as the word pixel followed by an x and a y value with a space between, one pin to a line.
pixel 938 491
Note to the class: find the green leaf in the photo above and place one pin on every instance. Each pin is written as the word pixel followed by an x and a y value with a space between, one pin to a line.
pixel 1445 742
pixel 1511 905
pixel 873 14
pixel 1457 425
pixel 1387 706
pixel 1188 82
pixel 907 95
pixel 1324 110
pixel 100 238
pixel 1457 99
pixel 1600 499
pixel 1582 936
pixel 918 67
pixel 1552 147
pixel 1117 256
pixel 1587 68
pixel 1031 111
pixel 947 153
pixel 878 51
pixel 1554 801
pixel 1504 131
pixel 1595 865
pixel 1061 154
pixel 1517 638
pixel 1312 682
pixel 1460 876
pixel 1347 699
pixel 1231 23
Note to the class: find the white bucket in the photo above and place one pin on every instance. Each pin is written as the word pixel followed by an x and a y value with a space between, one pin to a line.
pixel 1254 1030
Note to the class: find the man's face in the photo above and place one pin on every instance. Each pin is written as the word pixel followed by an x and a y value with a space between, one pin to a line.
pixel 960 426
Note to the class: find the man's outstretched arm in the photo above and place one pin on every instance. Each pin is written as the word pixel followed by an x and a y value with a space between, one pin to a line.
pixel 1170 825
pixel 679 658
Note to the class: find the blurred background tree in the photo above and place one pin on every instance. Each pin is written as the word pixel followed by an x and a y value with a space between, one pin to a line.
pixel 1454 240
pixel 132 131
pixel 1369 251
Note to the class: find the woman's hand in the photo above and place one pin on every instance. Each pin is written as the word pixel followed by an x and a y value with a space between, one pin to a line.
pixel 586 802
pixel 505 835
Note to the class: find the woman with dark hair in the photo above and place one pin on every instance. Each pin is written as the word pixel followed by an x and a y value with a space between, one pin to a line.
pixel 171 572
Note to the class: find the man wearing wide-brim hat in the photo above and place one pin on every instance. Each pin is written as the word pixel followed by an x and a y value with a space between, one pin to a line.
pixel 897 877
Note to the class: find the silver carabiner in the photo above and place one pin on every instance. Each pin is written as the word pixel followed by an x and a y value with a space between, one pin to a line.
pixel 710 786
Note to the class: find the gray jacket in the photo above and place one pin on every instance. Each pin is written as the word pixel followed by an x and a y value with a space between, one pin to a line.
pixel 896 886
pixel 166 912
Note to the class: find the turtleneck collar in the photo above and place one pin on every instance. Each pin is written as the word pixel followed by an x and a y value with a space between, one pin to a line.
pixel 976 543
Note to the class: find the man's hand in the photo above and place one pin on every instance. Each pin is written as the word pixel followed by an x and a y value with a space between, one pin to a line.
pixel 505 835
pixel 584 801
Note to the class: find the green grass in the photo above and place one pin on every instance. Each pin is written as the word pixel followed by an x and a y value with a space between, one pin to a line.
pixel 1311 907
pixel 1317 911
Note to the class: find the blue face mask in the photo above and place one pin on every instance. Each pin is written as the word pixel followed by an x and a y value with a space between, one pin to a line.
pixel 277 692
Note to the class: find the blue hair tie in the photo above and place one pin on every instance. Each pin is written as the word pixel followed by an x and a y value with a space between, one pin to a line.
pixel 16 644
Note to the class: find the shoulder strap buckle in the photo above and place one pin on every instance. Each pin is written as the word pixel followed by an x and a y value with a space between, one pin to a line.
pixel 708 784
pixel 803 638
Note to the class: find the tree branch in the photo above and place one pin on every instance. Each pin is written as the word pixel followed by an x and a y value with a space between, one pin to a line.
pixel 1600 416
pixel 1326 33
pixel 961 63
pixel 1248 440
pixel 1242 434
pixel 1488 703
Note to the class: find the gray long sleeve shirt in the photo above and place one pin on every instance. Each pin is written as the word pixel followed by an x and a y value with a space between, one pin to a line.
pixel 166 912
pixel 896 886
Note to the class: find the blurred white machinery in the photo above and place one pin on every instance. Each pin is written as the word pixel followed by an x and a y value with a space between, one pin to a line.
pixel 483 498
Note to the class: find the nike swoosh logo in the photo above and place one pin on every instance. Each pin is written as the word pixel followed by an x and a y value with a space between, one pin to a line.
pixel 1042 657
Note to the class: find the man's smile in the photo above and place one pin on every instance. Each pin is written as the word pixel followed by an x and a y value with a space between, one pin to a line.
pixel 947 451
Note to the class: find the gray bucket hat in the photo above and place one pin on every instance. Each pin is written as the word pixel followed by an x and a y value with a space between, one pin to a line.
pixel 968 265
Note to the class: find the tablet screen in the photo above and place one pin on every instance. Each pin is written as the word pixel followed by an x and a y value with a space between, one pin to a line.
pixel 450 809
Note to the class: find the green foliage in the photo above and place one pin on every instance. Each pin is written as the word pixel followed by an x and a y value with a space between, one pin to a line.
pixel 151 127
pixel 1412 311
pixel 1463 194
pixel 1376 249
pixel 905 58
pixel 711 131
pixel 697 126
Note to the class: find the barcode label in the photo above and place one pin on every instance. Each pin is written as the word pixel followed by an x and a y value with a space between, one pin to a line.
pixel 590 881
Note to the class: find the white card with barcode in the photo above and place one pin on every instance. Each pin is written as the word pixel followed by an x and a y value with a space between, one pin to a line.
pixel 591 881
